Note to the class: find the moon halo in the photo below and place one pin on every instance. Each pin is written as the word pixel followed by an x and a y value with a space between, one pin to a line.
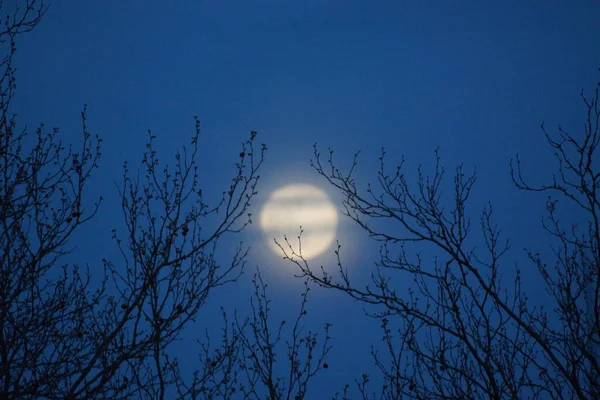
pixel 295 205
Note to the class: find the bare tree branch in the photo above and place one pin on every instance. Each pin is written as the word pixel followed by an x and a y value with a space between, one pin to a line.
pixel 460 332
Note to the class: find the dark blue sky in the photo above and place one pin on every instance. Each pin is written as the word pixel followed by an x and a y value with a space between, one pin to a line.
pixel 475 78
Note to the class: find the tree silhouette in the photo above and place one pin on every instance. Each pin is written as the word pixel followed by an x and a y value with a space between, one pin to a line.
pixel 466 328
pixel 69 333
pixel 248 362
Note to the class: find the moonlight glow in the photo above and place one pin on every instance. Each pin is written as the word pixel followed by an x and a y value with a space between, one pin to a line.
pixel 298 205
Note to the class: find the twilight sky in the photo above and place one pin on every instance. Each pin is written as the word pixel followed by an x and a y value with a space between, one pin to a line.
pixel 474 78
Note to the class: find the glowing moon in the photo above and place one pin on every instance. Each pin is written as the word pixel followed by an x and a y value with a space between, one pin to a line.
pixel 298 205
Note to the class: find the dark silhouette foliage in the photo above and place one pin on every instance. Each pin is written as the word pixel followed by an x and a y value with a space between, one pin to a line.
pixel 69 333
pixel 466 328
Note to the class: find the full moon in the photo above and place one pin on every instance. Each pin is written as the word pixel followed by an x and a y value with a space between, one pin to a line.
pixel 297 205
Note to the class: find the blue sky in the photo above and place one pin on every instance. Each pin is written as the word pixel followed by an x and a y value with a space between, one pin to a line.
pixel 474 78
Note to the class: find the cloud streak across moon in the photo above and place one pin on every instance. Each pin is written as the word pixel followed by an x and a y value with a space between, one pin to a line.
pixel 297 205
